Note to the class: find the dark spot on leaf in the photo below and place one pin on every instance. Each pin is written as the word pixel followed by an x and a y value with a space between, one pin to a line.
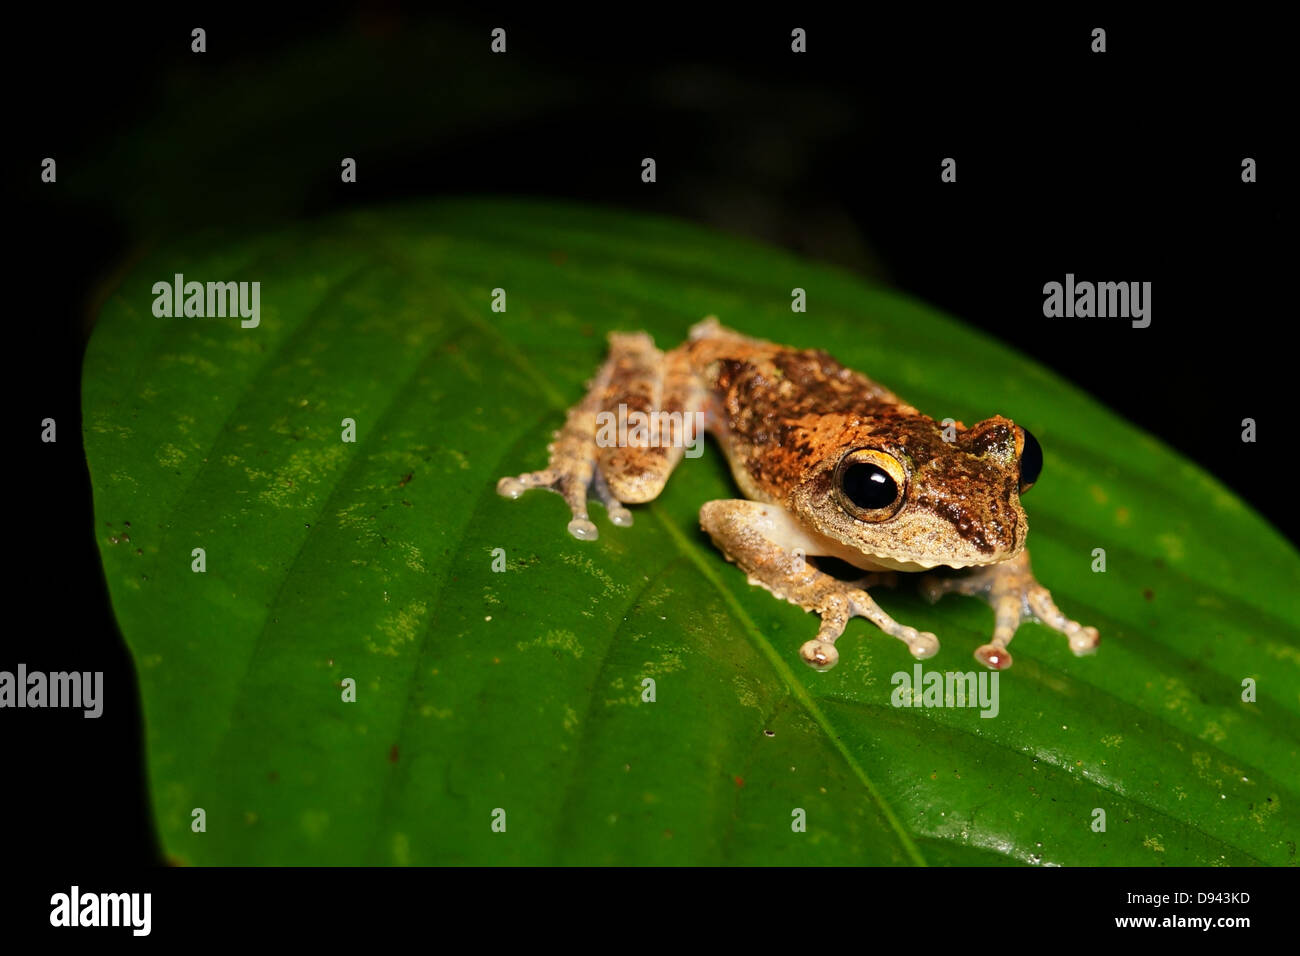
pixel 405 479
pixel 392 754
pixel 1148 594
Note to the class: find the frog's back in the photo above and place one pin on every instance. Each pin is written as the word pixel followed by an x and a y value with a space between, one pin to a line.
pixel 775 408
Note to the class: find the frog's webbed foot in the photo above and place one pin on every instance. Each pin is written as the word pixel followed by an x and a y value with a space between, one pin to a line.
pixel 748 533
pixel 836 602
pixel 573 470
pixel 573 486
pixel 572 474
pixel 1015 597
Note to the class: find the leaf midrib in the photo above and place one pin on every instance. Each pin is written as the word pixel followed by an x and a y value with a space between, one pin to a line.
pixel 693 552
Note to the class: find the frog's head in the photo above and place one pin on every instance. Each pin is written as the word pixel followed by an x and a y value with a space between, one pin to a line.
pixel 899 492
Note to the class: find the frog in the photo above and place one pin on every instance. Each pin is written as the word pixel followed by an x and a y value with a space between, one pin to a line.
pixel 831 465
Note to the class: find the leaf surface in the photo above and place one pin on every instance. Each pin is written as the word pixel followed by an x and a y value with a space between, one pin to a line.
pixel 521 691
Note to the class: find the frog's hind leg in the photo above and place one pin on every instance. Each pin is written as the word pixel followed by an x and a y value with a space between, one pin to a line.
pixel 1016 597
pixel 653 399
pixel 614 443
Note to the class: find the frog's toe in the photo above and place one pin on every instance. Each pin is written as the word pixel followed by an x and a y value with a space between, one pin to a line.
pixel 1084 641
pixel 923 646
pixel 513 486
pixel 993 656
pixel 819 654
pixel 920 644
pixel 618 514
pixel 510 487
pixel 571 487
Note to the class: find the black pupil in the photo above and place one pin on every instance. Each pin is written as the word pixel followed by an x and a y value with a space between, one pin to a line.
pixel 1031 461
pixel 869 486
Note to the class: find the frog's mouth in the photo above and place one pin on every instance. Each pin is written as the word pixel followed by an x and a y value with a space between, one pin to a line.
pixel 917 542
pixel 880 562
pixel 875 562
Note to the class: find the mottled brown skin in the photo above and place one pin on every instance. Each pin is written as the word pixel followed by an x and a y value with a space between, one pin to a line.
pixel 791 413
pixel 791 421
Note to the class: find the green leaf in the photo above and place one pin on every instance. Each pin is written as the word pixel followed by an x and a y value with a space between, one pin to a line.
pixel 521 690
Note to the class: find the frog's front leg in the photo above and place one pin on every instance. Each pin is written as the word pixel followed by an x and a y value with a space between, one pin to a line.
pixel 767 543
pixel 1015 597
pixel 601 450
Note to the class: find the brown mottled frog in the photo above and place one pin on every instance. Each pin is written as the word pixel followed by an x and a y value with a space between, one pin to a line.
pixel 831 464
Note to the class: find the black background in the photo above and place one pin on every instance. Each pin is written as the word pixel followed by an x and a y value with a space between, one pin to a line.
pixel 1121 166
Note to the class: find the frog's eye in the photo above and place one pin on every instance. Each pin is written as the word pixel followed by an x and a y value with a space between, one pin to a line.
pixel 871 484
pixel 1030 455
